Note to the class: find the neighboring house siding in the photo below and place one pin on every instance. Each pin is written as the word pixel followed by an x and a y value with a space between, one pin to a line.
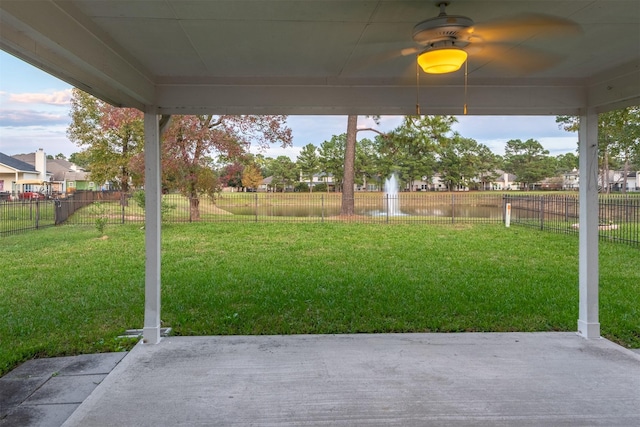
pixel 12 171
pixel 63 175
pixel 84 185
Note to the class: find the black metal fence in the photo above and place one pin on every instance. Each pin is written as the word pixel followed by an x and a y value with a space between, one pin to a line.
pixel 21 215
pixel 116 208
pixel 619 214
pixel 310 207
pixel 369 207
pixel 31 214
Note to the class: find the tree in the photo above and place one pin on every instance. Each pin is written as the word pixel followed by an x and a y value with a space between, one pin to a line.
pixel 528 160
pixel 411 149
pixel 261 162
pixel 349 170
pixel 251 176
pixel 366 163
pixel 308 162
pixel 566 162
pixel 624 126
pixel 186 147
pixel 231 175
pixel 190 142
pixel 486 165
pixel 284 172
pixel 458 161
pixel 618 139
pixel 266 165
pixel 114 140
pixel 112 137
pixel 81 159
pixel 332 157
pixel 348 179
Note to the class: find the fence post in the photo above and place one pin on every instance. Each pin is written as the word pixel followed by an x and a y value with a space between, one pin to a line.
pixel 322 208
pixel 122 205
pixel 541 212
pixel 256 210
pixel 57 211
pixel 504 204
pixel 626 208
pixel 386 196
pixel 37 213
pixel 453 209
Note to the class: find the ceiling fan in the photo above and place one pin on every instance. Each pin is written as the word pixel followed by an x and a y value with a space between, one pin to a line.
pixel 445 42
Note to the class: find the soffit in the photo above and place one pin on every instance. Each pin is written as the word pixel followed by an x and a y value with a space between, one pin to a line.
pixel 320 57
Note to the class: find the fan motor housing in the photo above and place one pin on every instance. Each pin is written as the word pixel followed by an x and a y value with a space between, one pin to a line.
pixel 441 28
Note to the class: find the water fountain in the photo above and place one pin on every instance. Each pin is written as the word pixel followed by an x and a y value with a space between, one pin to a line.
pixel 391 195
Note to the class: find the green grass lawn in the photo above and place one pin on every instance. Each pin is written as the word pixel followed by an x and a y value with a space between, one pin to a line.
pixel 66 291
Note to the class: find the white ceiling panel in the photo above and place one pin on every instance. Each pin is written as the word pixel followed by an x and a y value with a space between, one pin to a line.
pixel 329 57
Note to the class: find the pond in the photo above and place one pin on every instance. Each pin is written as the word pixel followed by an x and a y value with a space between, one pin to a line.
pixel 442 210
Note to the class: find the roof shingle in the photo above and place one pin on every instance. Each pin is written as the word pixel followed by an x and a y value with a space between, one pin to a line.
pixel 16 164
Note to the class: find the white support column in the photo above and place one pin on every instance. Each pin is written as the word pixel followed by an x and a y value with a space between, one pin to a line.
pixel 588 321
pixel 153 225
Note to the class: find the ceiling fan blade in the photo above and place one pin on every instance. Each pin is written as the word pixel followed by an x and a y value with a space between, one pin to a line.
pixel 409 51
pixel 519 60
pixel 392 51
pixel 521 27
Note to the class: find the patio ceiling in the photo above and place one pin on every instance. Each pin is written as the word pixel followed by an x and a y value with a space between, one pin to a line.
pixel 324 57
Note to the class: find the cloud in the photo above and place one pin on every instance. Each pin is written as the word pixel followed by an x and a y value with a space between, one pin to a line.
pixel 317 129
pixel 28 139
pixel 27 130
pixel 58 98
pixel 560 145
pixel 275 151
pixel 21 118
pixel 495 131
pixel 509 127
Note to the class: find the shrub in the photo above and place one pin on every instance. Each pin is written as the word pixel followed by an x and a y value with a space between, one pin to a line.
pixel 100 212
pixel 165 207
pixel 301 187
pixel 320 187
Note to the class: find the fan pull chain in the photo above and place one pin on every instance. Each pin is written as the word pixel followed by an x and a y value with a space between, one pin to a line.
pixel 466 73
pixel 417 89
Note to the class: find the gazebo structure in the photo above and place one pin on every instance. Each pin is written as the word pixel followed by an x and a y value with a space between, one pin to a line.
pixel 318 57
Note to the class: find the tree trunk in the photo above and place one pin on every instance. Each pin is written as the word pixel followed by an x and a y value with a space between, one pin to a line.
pixel 124 169
pixel 194 207
pixel 625 172
pixel 349 167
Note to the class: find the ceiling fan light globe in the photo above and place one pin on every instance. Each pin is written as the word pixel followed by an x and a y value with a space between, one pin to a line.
pixel 442 61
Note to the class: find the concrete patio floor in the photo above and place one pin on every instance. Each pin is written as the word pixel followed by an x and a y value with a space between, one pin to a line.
pixel 466 379
pixel 45 392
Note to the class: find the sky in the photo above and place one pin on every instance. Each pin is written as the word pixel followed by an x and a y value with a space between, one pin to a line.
pixel 34 113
